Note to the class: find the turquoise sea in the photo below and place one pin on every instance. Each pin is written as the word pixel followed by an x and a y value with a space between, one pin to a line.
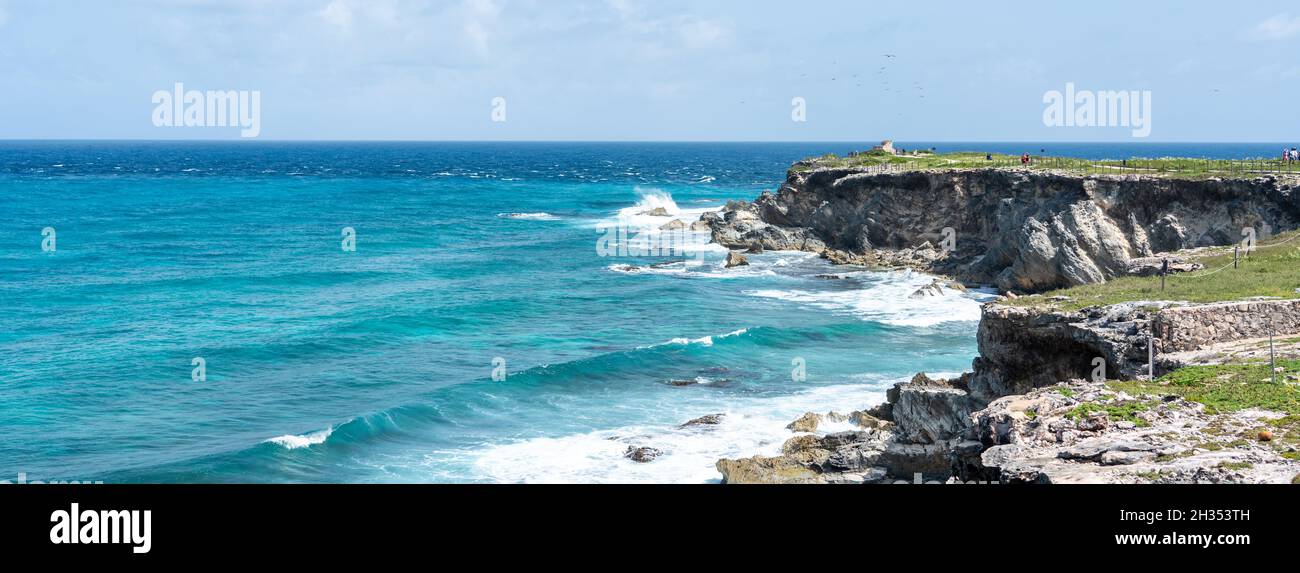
pixel 376 365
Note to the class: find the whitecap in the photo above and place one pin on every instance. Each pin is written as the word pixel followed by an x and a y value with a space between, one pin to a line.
pixel 292 442
pixel 887 299
pixel 749 426
pixel 528 216
pixel 703 340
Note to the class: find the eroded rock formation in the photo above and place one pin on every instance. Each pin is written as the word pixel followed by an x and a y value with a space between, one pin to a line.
pixel 1019 230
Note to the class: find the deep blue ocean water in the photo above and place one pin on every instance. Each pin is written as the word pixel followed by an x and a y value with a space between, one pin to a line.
pixel 375 365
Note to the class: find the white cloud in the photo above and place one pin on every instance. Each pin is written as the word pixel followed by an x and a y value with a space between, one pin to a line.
pixel 1279 27
pixel 625 9
pixel 697 33
pixel 479 17
pixel 657 36
pixel 338 13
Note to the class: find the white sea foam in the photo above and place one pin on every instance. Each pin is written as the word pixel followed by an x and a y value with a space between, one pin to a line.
pixel 888 300
pixel 750 426
pixel 652 199
pixel 763 265
pixel 293 442
pixel 528 216
pixel 704 340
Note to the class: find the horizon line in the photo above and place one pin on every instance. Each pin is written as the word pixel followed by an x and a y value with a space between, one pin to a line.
pixel 701 141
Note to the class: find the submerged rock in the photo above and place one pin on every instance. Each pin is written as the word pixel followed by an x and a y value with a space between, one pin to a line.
pixel 735 259
pixel 641 454
pixel 708 420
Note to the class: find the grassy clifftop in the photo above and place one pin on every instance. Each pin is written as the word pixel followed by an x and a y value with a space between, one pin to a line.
pixel 1179 167
pixel 1272 270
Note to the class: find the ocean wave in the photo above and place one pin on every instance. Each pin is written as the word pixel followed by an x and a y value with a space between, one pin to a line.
pixel 704 340
pixel 649 201
pixel 707 263
pixel 292 442
pixel 888 300
pixel 529 216
pixel 749 426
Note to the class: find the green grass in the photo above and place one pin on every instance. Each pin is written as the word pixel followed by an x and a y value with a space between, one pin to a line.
pixel 1160 167
pixel 1272 270
pixel 1224 388
pixel 1121 412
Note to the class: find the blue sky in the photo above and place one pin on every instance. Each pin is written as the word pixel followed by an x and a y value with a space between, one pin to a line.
pixel 650 70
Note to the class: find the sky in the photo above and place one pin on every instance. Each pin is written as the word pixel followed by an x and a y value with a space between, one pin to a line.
pixel 647 70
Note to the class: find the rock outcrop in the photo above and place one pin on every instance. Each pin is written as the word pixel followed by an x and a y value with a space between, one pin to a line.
pixel 1042 437
pixel 1026 231
pixel 927 421
pixel 1012 419
pixel 735 259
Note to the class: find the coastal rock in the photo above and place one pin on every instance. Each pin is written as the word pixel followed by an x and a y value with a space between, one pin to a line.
pixel 1018 230
pixel 735 259
pixel 673 225
pixel 707 420
pixel 700 225
pixel 868 421
pixel 641 454
pixel 1152 266
pixel 1022 348
pixel 656 212
pixel 806 423
pixel 1039 437
pixel 932 289
pixel 926 414
pixel 767 470
pixel 738 226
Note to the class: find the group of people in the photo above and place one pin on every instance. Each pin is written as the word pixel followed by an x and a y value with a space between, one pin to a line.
pixel 1290 155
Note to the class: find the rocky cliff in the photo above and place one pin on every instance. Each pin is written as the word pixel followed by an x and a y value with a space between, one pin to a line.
pixel 1037 406
pixel 1020 230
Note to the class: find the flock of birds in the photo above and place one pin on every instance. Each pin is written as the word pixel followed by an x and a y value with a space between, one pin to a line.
pixel 916 88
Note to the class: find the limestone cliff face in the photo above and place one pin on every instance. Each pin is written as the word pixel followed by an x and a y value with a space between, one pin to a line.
pixel 1020 230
